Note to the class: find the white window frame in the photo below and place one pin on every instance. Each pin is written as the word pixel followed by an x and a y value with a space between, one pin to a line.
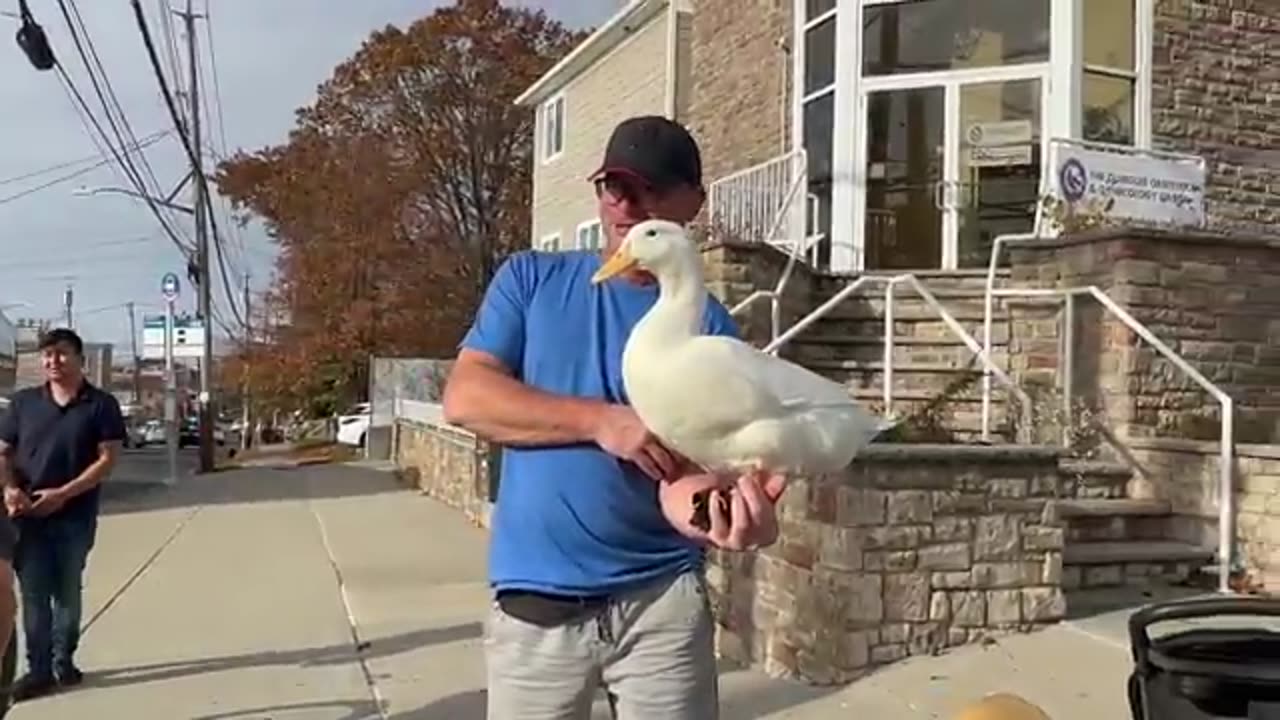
pixel 1062 118
pixel 544 125
pixel 548 243
pixel 588 226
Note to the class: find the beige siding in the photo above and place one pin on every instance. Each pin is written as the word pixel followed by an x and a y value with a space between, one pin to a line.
pixel 684 65
pixel 629 81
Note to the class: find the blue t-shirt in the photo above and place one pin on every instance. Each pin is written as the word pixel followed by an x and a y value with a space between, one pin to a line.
pixel 573 519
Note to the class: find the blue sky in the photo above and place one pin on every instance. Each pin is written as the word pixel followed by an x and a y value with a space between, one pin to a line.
pixel 271 55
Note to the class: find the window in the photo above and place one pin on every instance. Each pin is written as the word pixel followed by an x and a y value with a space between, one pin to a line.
pixel 1109 85
pixel 589 236
pixel 548 243
pixel 552 128
pixel 932 35
pixel 817 112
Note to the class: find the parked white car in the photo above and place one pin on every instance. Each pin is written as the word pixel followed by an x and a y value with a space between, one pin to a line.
pixel 354 424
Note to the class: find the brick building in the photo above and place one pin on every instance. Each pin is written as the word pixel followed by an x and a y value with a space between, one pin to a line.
pixel 634 64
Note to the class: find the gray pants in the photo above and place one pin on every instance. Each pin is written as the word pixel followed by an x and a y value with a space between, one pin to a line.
pixel 651 649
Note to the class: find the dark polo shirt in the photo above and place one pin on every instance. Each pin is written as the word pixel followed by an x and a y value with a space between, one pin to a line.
pixel 53 444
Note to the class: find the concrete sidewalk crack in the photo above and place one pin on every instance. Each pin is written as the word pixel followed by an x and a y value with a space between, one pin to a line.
pixel 357 643
pixel 142 569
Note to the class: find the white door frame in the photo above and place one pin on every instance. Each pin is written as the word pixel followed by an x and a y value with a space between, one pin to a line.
pixel 951 82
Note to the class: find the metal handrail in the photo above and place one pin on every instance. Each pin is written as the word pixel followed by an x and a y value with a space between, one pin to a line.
pixel 1226 477
pixel 891 283
pixel 783 215
pixel 988 312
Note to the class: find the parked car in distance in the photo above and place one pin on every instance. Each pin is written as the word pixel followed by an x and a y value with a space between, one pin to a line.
pixel 353 425
pixel 153 433
pixel 134 437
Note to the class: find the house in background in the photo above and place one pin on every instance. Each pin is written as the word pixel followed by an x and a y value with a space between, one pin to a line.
pixel 636 63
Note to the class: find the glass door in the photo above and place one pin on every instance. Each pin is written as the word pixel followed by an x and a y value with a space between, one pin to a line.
pixel 950 161
pixel 903 210
pixel 995 189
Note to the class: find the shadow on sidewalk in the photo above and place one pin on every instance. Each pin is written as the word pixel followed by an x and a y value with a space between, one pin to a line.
pixel 364 710
pixel 255 485
pixel 305 657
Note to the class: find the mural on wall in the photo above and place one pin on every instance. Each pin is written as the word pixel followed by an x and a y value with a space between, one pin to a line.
pixel 416 379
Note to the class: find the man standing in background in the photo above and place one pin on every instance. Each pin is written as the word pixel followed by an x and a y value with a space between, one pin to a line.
pixel 59 441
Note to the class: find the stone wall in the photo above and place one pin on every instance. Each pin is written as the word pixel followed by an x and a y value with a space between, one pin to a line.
pixel 911 550
pixel 1214 82
pixel 738 107
pixel 1214 299
pixel 1193 485
pixel 448 464
pixel 734 271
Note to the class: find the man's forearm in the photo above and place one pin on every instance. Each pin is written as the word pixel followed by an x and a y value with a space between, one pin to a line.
pixel 7 476
pixel 504 410
pixel 91 476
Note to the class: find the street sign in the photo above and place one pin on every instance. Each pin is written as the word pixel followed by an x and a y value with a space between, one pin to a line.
pixel 169 286
pixel 188 337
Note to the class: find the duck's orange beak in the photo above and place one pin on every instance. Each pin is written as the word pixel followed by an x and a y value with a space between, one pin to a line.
pixel 619 262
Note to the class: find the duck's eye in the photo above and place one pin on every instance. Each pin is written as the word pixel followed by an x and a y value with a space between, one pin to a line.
pixel 652 233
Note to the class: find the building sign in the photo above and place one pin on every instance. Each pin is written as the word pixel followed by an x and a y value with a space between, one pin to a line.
pixel 1004 143
pixel 188 337
pixel 1156 188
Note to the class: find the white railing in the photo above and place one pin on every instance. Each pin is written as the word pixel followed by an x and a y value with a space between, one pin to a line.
pixel 796 250
pixel 891 283
pixel 747 204
pixel 1226 483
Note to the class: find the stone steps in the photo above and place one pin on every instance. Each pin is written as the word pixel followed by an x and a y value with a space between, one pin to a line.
pixel 1097 479
pixel 1090 565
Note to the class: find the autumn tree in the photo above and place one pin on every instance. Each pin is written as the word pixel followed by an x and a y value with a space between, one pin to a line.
pixel 398 192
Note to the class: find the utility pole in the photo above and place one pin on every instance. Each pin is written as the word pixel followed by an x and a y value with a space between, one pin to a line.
pixel 137 361
pixel 204 286
pixel 67 299
pixel 245 433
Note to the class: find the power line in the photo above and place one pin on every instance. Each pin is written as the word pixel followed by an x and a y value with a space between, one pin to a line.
pixel 152 55
pixel 144 142
pixel 63 178
pixel 87 117
pixel 107 99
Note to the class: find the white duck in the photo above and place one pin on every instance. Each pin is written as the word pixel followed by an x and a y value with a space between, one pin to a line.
pixel 720 401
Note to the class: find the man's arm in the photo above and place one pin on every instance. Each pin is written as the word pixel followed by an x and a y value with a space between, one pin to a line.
pixel 7 478
pixel 483 397
pixel 108 452
pixel 8 441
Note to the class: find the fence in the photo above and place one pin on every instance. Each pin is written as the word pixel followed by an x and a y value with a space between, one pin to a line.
pixel 406 387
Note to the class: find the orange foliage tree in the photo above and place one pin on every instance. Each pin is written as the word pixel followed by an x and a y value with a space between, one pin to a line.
pixel 396 195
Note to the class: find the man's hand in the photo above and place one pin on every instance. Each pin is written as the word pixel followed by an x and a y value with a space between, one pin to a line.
pixel 16 502
pixel 752 519
pixel 47 502
pixel 623 435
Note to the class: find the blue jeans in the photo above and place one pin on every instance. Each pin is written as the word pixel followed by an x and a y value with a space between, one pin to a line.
pixel 50 564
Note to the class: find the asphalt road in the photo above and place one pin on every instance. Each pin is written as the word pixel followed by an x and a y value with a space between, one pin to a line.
pixel 150 465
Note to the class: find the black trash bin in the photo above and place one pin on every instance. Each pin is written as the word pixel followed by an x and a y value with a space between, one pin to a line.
pixel 1205 673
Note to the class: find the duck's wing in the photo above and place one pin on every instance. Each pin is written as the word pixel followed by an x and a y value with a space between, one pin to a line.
pixel 792 386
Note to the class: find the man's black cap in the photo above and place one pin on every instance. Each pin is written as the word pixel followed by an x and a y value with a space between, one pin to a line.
pixel 657 150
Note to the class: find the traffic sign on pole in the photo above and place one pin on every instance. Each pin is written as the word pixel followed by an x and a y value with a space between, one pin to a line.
pixel 169 286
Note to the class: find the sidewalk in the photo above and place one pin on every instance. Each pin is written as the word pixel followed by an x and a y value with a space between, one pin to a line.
pixel 255 586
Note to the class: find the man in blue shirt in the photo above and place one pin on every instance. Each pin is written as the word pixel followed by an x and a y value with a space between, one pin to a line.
pixel 593 586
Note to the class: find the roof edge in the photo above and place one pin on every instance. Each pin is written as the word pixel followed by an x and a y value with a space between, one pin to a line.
pixel 605 38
